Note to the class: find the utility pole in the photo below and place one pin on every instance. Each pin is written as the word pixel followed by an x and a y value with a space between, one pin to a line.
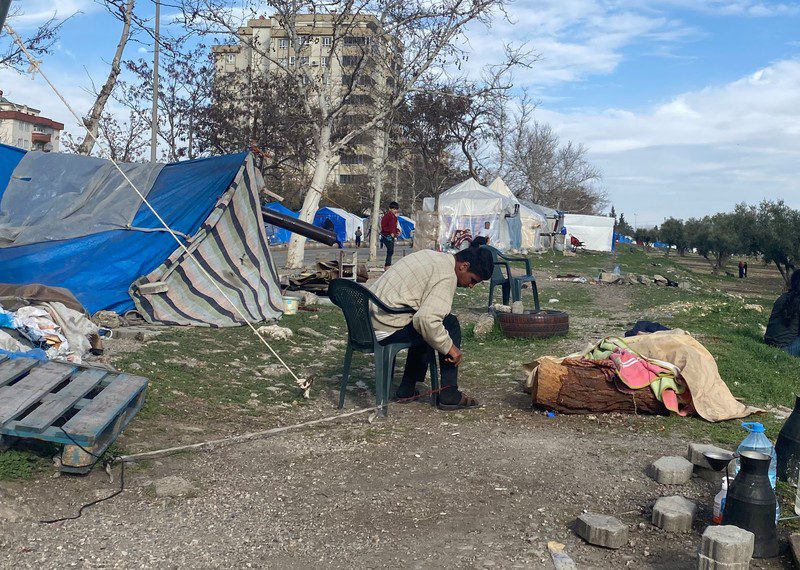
pixel 154 118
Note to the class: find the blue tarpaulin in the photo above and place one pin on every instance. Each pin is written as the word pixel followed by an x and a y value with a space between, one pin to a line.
pixel 9 159
pixel 406 227
pixel 99 268
pixel 274 233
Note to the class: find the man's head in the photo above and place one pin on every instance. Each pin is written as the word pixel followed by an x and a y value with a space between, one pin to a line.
pixel 394 206
pixel 487 225
pixel 473 265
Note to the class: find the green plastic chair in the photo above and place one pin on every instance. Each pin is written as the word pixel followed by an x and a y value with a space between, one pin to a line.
pixel 511 286
pixel 354 301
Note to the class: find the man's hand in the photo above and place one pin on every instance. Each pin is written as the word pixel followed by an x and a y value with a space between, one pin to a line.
pixel 454 356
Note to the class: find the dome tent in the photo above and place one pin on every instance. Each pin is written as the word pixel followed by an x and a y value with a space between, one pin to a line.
pixel 344 223
pixel 469 205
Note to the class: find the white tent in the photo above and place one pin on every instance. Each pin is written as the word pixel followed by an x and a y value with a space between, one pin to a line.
pixel 596 232
pixel 469 205
pixel 532 221
pixel 351 222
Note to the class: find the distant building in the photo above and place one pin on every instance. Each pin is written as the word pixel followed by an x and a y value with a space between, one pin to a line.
pixel 316 38
pixel 23 127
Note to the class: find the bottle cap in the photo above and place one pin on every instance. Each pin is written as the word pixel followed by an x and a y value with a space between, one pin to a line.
pixel 753 427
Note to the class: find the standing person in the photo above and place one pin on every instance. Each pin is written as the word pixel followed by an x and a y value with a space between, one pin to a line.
pixel 390 229
pixel 359 233
pixel 783 328
pixel 426 281
pixel 483 235
pixel 741 269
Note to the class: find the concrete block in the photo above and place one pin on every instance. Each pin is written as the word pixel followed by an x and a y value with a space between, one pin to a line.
pixel 517 308
pixel 696 451
pixel 794 542
pixel 601 530
pixel 705 563
pixel 674 514
pixel 671 470
pixel 727 544
pixel 712 476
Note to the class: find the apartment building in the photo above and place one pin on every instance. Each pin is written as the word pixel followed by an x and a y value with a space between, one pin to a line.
pixel 24 127
pixel 265 47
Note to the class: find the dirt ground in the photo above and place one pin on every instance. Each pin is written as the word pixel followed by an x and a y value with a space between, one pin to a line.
pixel 421 489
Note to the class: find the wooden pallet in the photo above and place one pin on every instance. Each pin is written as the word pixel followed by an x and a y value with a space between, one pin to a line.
pixel 76 406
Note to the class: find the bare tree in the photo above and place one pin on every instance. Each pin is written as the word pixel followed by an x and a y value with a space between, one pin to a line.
pixel 405 39
pixel 123 11
pixel 123 140
pixel 553 174
pixel 39 42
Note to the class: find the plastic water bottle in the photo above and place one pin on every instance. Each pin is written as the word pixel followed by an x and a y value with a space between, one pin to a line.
pixel 719 502
pixel 757 441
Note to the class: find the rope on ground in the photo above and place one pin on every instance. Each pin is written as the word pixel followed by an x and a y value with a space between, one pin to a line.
pixel 304 384
pixel 236 438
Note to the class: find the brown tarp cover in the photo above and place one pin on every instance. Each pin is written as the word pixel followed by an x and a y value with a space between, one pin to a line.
pixel 711 397
pixel 14 296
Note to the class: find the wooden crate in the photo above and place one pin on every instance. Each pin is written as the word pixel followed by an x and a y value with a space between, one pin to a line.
pixel 76 406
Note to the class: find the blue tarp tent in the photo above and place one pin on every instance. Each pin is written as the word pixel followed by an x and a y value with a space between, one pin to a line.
pixel 71 221
pixel 342 222
pixel 274 233
pixel 406 227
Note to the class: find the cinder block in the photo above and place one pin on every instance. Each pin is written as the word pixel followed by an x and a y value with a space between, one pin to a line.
pixel 671 470
pixel 727 544
pixel 696 451
pixel 674 514
pixel 601 530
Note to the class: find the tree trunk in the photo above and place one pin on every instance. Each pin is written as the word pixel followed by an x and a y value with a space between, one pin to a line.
pixel 296 250
pixel 92 120
pixel 376 201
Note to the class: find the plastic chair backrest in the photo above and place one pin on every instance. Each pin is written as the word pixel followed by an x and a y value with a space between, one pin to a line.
pixel 353 299
pixel 497 273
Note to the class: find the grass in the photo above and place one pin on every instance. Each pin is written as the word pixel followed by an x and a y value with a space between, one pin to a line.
pixel 225 380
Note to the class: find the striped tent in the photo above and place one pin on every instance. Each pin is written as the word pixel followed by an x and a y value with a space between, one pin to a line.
pixel 73 222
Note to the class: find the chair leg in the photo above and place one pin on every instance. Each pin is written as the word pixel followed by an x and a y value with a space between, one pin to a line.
pixel 516 290
pixel 380 382
pixel 535 295
pixel 506 287
pixel 348 358
pixel 434 367
pixel 491 296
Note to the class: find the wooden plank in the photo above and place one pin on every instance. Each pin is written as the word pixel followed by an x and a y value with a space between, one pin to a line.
pixel 106 406
pixel 41 380
pixel 10 370
pixel 59 403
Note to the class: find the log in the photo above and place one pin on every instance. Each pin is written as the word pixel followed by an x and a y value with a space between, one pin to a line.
pixel 575 386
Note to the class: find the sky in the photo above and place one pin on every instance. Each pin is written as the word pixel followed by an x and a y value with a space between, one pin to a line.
pixel 688 107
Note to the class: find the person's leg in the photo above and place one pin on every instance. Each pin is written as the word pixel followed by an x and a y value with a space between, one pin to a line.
pixel 416 361
pixel 793 347
pixel 449 372
pixel 389 252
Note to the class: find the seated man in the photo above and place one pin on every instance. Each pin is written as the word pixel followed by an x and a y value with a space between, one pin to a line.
pixel 783 329
pixel 426 281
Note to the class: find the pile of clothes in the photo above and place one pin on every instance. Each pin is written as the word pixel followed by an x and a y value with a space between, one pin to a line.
pixel 47 330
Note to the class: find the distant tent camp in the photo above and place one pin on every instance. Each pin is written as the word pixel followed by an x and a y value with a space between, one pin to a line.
pixel 340 221
pixel 275 234
pixel 72 221
pixel 469 205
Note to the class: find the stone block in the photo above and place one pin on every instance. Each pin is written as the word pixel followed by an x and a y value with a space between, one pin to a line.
pixel 712 476
pixel 671 470
pixel 484 326
pixel 727 544
pixel 696 451
pixel 601 530
pixel 705 563
pixel 674 514
pixel 794 542
pixel 517 308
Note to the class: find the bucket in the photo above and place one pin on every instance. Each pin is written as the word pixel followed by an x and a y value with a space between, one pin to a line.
pixel 290 305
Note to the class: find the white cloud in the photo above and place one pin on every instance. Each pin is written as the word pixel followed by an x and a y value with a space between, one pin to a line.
pixel 702 151
pixel 32 13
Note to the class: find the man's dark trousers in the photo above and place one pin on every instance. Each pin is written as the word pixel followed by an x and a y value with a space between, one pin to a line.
pixel 388 241
pixel 417 361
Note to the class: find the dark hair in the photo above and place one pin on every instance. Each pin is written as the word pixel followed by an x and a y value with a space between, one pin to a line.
pixel 394 205
pixel 792 306
pixel 480 261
